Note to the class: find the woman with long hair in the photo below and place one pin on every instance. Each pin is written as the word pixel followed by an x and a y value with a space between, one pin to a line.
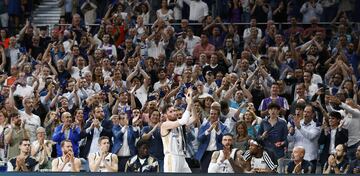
pixel 241 137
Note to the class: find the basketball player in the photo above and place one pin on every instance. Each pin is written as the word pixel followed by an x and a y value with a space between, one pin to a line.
pixel 67 162
pixel 103 161
pixel 172 135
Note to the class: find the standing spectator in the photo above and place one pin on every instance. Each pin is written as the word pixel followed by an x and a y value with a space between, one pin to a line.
pixel 298 165
pixel 191 40
pixel 177 7
pixel 24 162
pixel 66 131
pixel 14 134
pixel 67 162
pixel 14 11
pixel 210 136
pixel 273 131
pixel 260 11
pixel 30 120
pixel 103 161
pixel 96 127
pixel 88 8
pixel 331 136
pixel 351 123
pixel 125 136
pixel 311 9
pixel 165 13
pixel 198 10
pixel 274 97
pixel 305 133
pixel 152 134
pixel 68 8
pixel 203 47
pixel 4 16
pixel 142 162
pixel 330 9
pixel 41 149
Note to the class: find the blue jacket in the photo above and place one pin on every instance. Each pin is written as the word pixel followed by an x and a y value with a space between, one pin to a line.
pixel 204 140
pixel 118 139
pixel 59 136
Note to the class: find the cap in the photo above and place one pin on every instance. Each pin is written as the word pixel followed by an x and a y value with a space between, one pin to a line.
pixel 258 142
pixel 273 105
pixel 40 130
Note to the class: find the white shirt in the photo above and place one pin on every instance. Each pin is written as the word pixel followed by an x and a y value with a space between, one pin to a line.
pixel 198 9
pixel 212 143
pixel 124 150
pixel 167 16
pixel 191 43
pixel 307 136
pixel 230 120
pixel 95 140
pixel 75 72
pixel 247 33
pixel 332 141
pixel 178 9
pixel 156 50
pixel 141 93
pixel 110 50
pixel 158 85
pixel 32 122
pixel 352 124
pixel 14 55
pixel 24 91
pixel 222 167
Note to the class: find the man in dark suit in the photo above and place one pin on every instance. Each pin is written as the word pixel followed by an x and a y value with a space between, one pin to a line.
pixel 332 135
pixel 125 136
pixel 96 127
pixel 210 137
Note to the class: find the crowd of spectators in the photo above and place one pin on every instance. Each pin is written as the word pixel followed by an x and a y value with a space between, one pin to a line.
pixel 85 97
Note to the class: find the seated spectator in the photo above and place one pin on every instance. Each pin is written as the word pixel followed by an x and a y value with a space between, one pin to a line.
pixel 337 163
pixel 298 165
pixel 142 162
pixel 355 164
pixel 258 160
pixel 24 162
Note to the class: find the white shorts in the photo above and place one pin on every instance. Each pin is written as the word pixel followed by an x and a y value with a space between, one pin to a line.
pixel 175 163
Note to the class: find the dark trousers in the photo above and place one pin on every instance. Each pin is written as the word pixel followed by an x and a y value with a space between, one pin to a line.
pixel 122 162
pixel 314 164
pixel 351 151
pixel 205 161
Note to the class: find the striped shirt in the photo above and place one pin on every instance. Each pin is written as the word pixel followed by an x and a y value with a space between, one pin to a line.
pixel 260 163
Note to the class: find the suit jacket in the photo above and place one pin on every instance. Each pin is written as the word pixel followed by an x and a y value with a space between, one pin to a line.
pixel 131 138
pixel 204 140
pixel 106 131
pixel 59 136
pixel 341 137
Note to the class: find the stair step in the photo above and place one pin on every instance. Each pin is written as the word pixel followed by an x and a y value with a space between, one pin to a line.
pixel 47 12
pixel 49 3
pixel 47 15
pixel 48 6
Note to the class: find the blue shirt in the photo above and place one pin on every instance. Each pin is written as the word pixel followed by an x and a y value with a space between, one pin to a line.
pixel 155 141
pixel 276 133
